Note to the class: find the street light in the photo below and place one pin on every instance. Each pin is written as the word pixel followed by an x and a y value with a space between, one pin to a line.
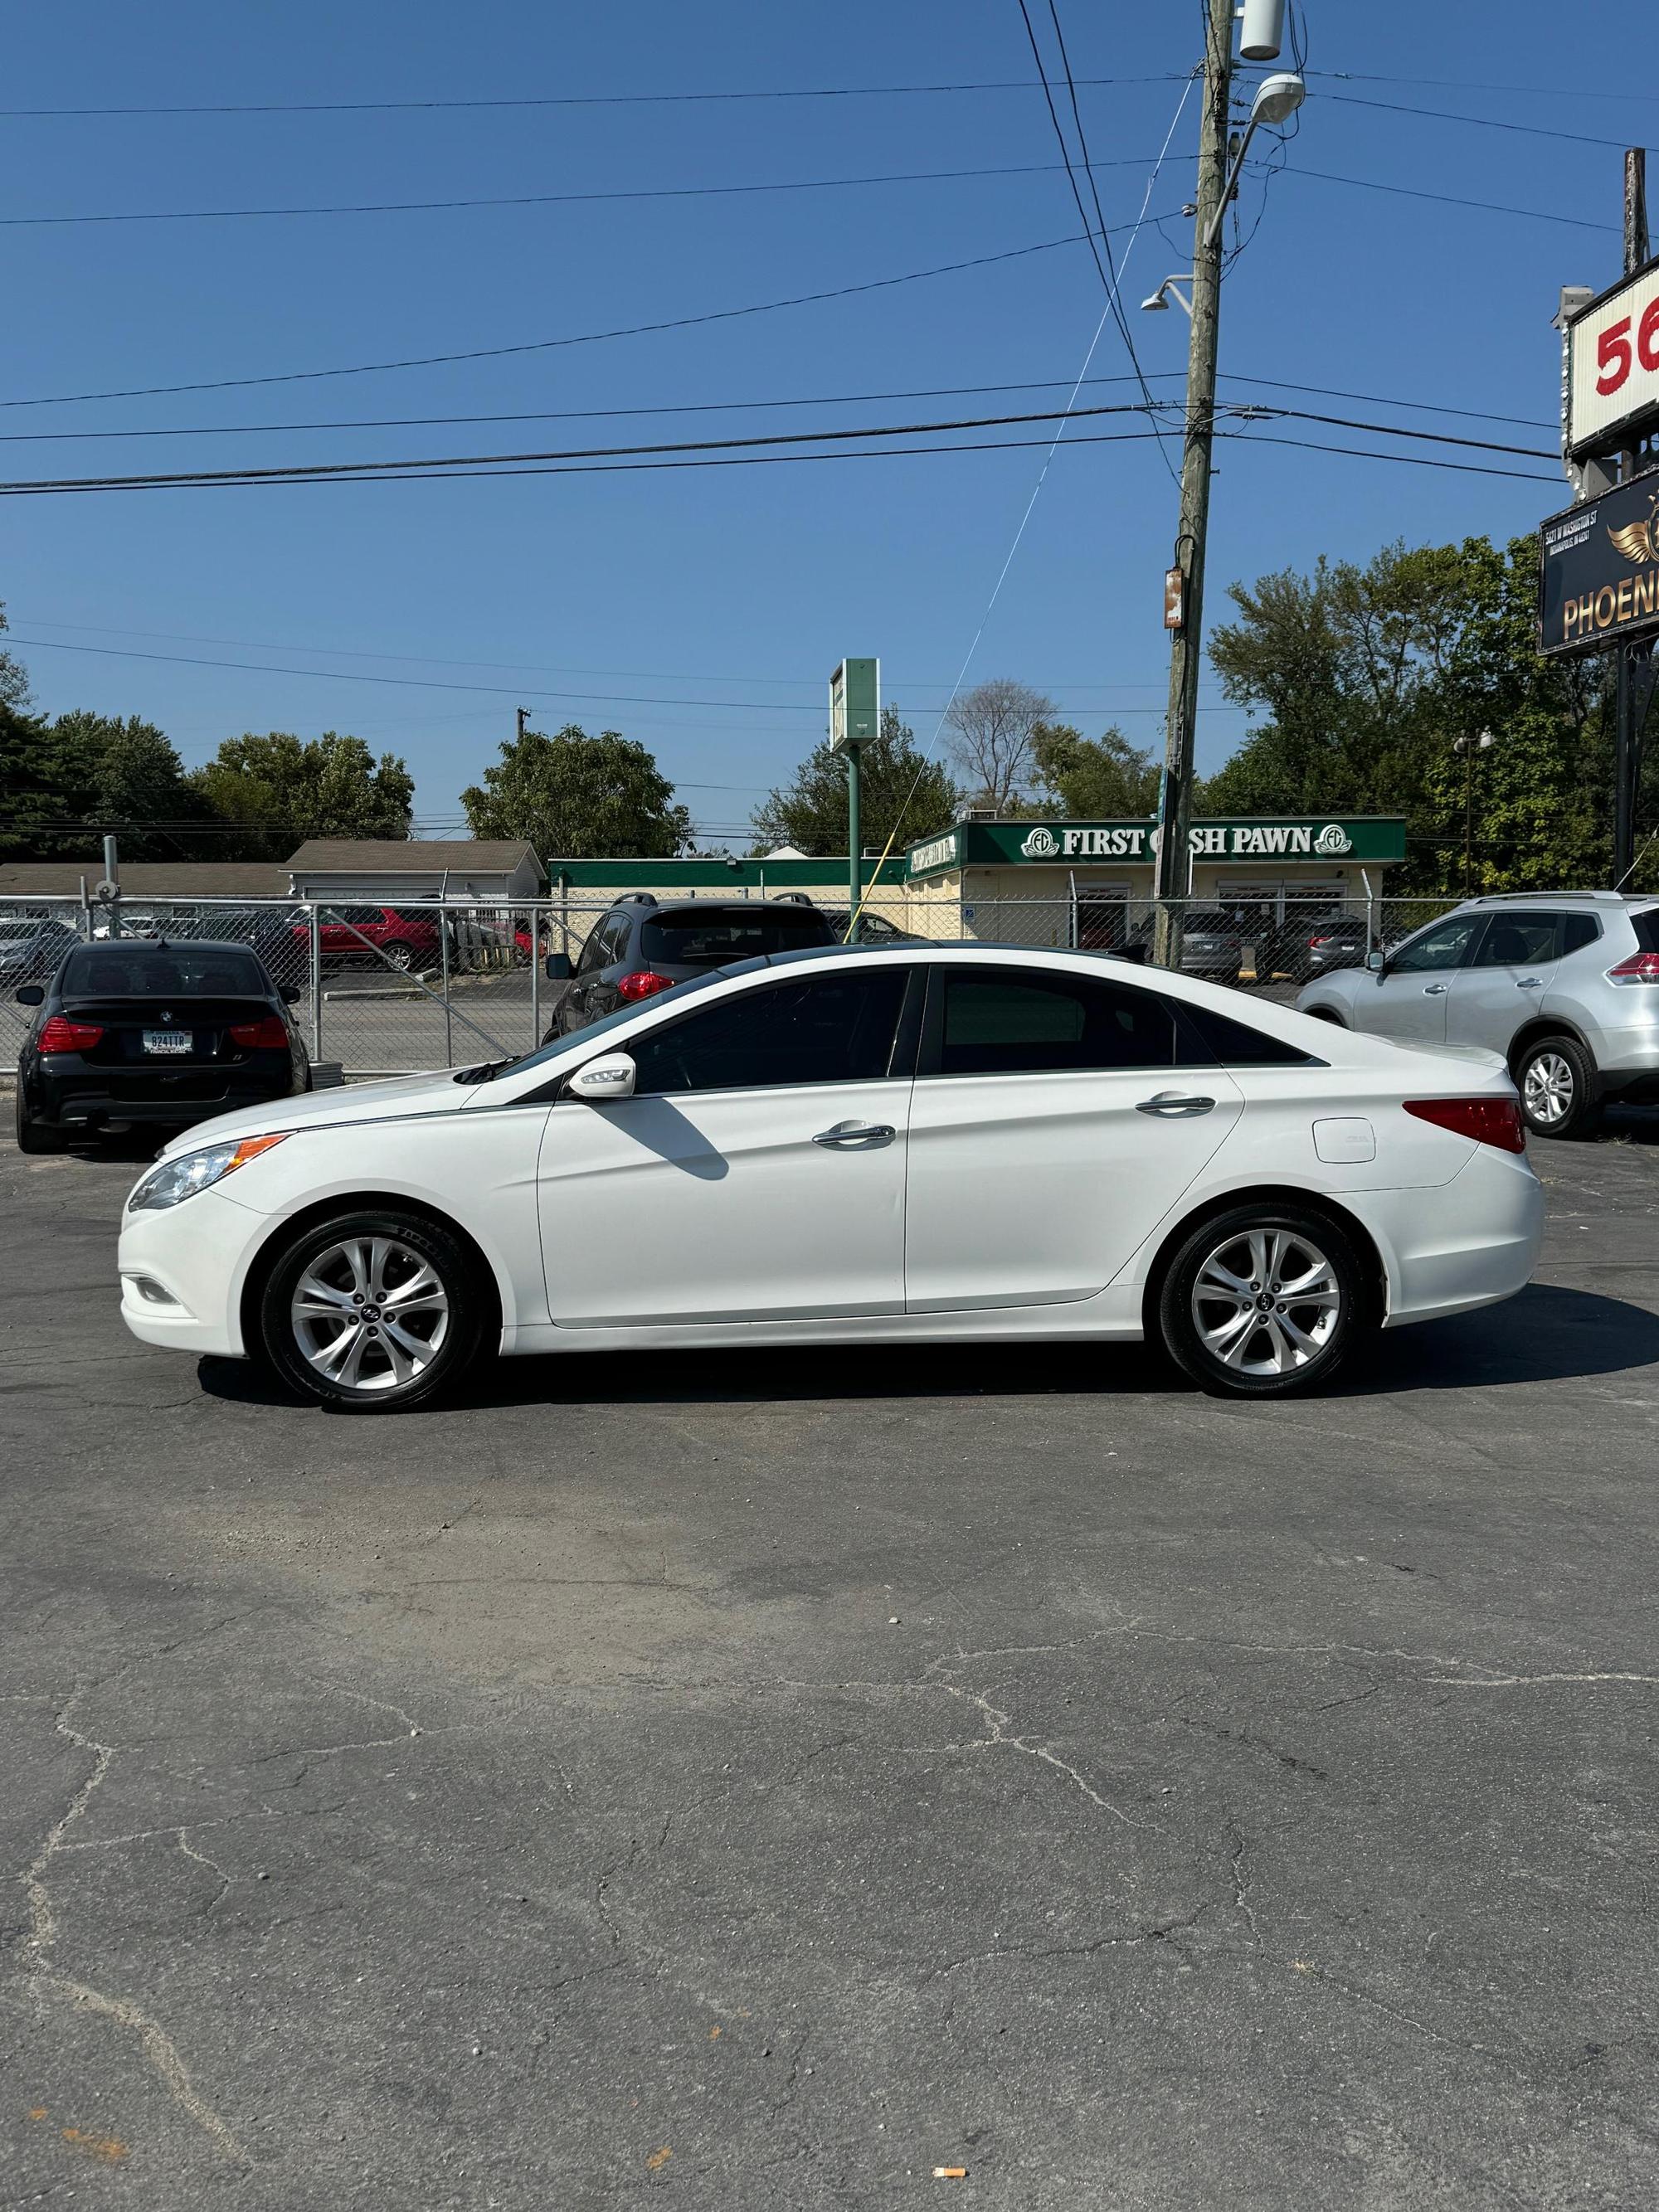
pixel 1471 747
pixel 1277 99
pixel 1159 303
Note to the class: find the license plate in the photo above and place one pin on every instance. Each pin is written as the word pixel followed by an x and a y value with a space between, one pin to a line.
pixel 177 1042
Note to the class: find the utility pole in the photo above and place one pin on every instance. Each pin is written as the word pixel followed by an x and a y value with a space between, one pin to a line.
pixel 1633 670
pixel 1187 643
pixel 523 714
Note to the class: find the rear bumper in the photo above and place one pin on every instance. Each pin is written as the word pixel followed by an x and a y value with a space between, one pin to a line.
pixel 1451 1248
pixel 76 1104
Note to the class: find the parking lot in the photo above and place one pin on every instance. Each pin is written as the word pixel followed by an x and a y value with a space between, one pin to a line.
pixel 765 1780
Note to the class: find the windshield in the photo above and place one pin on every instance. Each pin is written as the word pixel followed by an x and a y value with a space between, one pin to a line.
pixel 714 937
pixel 591 1030
pixel 136 971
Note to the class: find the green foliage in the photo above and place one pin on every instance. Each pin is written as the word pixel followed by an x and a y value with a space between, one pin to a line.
pixel 1103 779
pixel 1370 676
pixel 902 794
pixel 278 789
pixel 577 798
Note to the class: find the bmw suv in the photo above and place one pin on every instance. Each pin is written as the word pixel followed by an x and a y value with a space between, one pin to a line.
pixel 1566 985
pixel 642 946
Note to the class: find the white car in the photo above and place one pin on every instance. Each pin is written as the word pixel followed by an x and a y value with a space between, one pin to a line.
pixel 918 1144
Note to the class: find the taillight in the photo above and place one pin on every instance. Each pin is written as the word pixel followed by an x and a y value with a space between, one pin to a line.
pixel 1640 968
pixel 1488 1120
pixel 643 984
pixel 269 1030
pixel 1314 941
pixel 61 1036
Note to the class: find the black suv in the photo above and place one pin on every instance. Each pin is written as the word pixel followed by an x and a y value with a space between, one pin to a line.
pixel 642 947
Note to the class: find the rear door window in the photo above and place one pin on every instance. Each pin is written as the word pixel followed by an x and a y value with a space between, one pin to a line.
pixel 715 937
pixel 1518 940
pixel 1013 1021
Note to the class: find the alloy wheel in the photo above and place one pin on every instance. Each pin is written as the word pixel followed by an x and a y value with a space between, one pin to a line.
pixel 1266 1302
pixel 369 1313
pixel 1548 1090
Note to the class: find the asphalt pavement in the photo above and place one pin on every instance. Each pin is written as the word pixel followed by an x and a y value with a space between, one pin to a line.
pixel 763 1780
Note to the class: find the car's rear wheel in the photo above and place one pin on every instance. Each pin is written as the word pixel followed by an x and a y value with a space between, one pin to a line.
pixel 374 1311
pixel 400 955
pixel 1559 1095
pixel 1263 1300
pixel 34 1136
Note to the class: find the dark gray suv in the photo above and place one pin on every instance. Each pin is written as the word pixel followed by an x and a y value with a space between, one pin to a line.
pixel 642 946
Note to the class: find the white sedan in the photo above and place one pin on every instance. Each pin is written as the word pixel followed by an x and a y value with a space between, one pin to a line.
pixel 918 1144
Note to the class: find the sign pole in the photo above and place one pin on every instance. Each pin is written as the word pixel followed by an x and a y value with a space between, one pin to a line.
pixel 1627 742
pixel 854 719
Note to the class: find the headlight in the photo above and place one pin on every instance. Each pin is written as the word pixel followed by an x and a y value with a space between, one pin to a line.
pixel 181 1178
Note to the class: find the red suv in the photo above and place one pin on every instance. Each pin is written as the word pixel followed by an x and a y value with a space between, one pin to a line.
pixel 349 934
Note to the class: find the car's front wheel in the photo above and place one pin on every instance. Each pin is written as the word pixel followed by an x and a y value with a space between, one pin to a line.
pixel 374 1311
pixel 1559 1095
pixel 1263 1300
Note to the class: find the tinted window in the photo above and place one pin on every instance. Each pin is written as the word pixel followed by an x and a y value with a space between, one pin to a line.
pixel 832 1029
pixel 1236 1044
pixel 1015 1022
pixel 1443 946
pixel 1516 940
pixel 1646 925
pixel 593 952
pixel 714 937
pixel 1579 930
pixel 144 971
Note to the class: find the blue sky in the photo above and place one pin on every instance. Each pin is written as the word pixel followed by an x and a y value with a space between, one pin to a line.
pixel 709 605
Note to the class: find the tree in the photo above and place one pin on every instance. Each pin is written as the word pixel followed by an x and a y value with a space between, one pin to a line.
pixel 127 777
pixel 277 790
pixel 991 728
pixel 578 798
pixel 902 794
pixel 13 677
pixel 1370 675
pixel 1101 779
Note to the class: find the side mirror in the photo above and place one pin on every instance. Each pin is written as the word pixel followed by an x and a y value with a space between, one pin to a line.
pixel 1376 961
pixel 603 1081
pixel 31 994
pixel 290 994
pixel 557 967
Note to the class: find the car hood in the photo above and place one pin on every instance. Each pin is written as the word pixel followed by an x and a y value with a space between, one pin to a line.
pixel 404 1094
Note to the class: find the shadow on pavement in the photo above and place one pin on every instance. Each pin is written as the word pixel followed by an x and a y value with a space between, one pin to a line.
pixel 1547 1334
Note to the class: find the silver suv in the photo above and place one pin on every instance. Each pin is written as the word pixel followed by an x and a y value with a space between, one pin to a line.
pixel 1565 985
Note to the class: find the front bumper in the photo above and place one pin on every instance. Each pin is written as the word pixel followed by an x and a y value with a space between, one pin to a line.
pixel 183 1272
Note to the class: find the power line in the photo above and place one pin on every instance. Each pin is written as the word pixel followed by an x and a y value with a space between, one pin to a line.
pixel 548 345
pixel 1481 122
pixel 543 199
pixel 1449 199
pixel 1105 238
pixel 563 99
pixel 370 471
pixel 494 690
pixel 739 406
pixel 1109 282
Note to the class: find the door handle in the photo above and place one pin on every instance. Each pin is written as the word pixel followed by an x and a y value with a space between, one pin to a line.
pixel 1434 990
pixel 1174 1105
pixel 857 1132
pixel 1529 982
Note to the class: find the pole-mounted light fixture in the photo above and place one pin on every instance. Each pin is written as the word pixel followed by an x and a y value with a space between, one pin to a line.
pixel 1277 99
pixel 1159 303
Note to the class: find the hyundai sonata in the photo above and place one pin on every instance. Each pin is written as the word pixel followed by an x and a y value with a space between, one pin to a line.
pixel 919 1143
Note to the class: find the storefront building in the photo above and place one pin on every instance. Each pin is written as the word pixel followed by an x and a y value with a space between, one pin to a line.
pixel 1088 883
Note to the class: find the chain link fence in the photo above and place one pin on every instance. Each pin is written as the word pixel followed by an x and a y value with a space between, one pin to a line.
pixel 392 990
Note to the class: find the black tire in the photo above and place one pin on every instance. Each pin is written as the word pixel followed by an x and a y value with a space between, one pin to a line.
pixel 34 1136
pixel 416 1243
pixel 1256 1373
pixel 1560 1093
pixel 401 956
